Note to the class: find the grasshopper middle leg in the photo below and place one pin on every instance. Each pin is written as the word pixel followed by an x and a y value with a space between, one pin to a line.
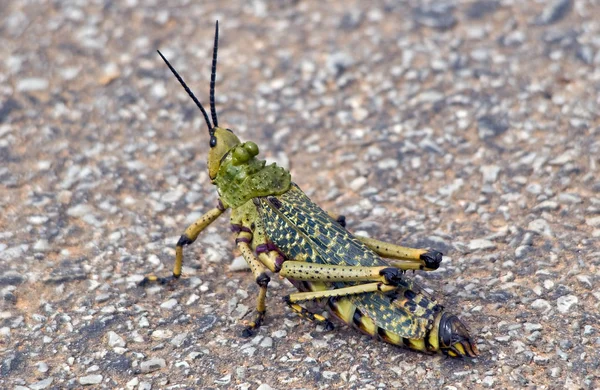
pixel 243 240
pixel 339 292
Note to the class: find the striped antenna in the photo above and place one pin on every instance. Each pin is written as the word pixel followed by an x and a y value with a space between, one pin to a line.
pixel 213 76
pixel 189 92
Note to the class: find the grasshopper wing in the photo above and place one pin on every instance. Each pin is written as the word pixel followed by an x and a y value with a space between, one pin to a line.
pixel 293 220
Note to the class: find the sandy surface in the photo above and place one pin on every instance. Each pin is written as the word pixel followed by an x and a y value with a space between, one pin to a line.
pixel 467 126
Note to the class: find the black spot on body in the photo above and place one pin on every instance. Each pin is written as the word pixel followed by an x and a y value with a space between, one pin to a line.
pixel 275 202
pixel 410 306
pixel 382 334
pixel 356 318
pixel 393 296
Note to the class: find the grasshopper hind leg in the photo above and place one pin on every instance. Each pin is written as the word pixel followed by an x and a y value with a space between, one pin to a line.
pixel 401 257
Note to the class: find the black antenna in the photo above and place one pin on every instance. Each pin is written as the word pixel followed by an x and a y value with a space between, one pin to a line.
pixel 213 76
pixel 184 85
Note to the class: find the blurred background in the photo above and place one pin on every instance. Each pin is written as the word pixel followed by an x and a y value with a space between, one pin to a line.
pixel 466 126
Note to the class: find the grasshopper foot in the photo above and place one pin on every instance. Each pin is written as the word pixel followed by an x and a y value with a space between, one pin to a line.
pixel 432 259
pixel 328 326
pixel 253 326
pixel 393 276
pixel 151 279
pixel 247 332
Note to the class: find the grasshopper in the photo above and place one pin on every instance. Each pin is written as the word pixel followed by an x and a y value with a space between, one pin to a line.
pixel 279 229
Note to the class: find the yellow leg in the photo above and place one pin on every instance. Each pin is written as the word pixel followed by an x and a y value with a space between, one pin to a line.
pixel 188 237
pixel 271 258
pixel 311 272
pixel 339 292
pixel 314 317
pixel 262 279
pixel 403 257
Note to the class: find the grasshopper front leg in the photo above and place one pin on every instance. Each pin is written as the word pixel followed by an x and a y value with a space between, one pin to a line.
pixel 187 238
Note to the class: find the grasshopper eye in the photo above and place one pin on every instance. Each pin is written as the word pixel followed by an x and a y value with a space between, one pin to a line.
pixel 240 156
pixel 251 147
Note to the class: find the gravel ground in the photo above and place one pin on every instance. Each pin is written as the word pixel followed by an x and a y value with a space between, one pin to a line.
pixel 467 126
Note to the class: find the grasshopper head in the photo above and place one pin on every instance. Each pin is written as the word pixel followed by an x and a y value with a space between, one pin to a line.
pixel 454 338
pixel 222 140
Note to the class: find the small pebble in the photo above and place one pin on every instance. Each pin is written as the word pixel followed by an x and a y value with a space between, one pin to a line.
pixel 162 334
pixel 114 340
pixel 132 384
pixel 267 342
pixel 565 303
pixel 42 367
pixel 90 380
pixel 32 84
pixel 278 334
pixel 238 264
pixel 43 384
pixel 481 244
pixel 179 339
pixel 152 365
pixel 540 226
pixel 169 305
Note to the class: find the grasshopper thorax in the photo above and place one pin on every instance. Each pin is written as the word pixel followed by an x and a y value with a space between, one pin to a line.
pixel 240 176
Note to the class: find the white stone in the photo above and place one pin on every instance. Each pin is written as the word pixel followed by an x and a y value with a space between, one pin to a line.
pixel 481 244
pixel 540 226
pixel 32 84
pixel 564 303
pixel 90 379
pixel 114 340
